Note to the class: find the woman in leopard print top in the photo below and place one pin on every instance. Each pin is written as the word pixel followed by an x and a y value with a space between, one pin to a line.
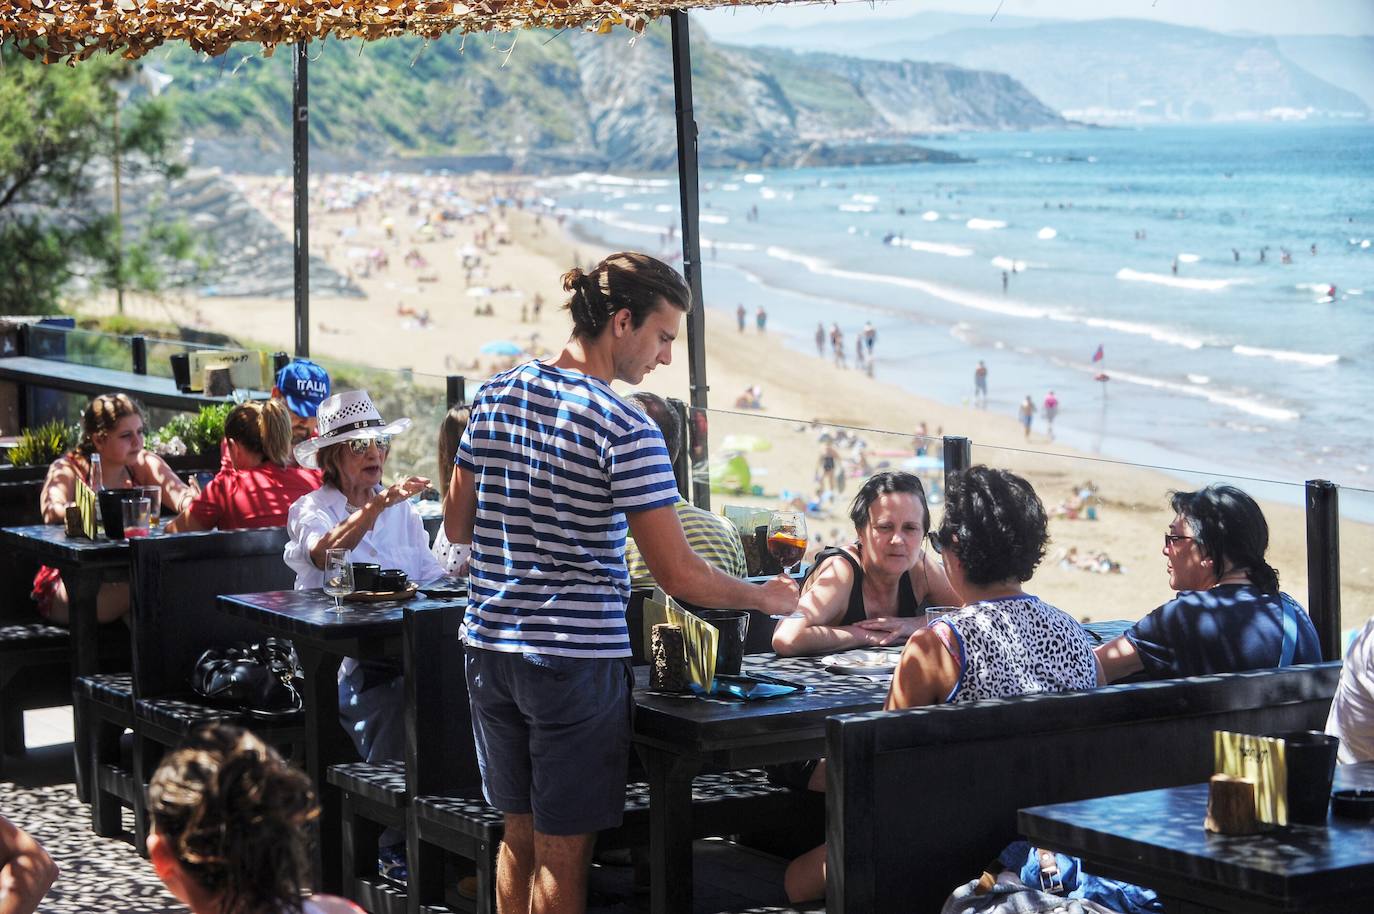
pixel 1003 642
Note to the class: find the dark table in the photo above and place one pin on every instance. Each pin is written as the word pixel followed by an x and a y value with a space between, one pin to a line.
pixel 85 565
pixel 678 737
pixel 92 380
pixel 1155 838
pixel 367 631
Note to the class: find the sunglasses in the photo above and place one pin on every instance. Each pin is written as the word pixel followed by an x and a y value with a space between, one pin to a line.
pixel 935 543
pixel 360 445
pixel 1173 539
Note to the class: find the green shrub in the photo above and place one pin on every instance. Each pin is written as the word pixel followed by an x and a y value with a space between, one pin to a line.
pixel 200 432
pixel 42 445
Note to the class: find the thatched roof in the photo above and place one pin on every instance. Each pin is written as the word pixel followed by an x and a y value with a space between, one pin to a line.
pixel 72 30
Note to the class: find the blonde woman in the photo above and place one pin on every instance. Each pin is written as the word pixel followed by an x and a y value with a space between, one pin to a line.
pixel 261 487
pixel 112 427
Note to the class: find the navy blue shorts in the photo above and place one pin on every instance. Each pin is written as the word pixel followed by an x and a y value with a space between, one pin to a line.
pixel 553 736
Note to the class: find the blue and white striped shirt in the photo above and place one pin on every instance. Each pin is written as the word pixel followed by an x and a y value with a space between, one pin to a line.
pixel 558 460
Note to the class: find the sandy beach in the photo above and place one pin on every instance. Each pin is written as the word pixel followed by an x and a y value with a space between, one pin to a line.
pixel 418 313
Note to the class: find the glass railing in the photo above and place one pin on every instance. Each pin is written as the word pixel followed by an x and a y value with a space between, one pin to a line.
pixel 80 347
pixel 1357 558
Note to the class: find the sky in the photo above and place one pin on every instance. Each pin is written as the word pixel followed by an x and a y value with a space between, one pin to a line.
pixel 1273 17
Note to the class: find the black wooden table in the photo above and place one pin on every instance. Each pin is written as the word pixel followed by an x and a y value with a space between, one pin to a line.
pixel 85 565
pixel 367 631
pixel 678 737
pixel 92 380
pixel 1155 838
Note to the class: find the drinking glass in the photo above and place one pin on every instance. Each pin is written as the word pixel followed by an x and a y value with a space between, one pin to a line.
pixel 135 511
pixel 787 537
pixel 154 496
pixel 934 613
pixel 338 576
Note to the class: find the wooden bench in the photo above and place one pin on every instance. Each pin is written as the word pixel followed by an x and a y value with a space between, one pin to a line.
pixel 174 582
pixel 918 801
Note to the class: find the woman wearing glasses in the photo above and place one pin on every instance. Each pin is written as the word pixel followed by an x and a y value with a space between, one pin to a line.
pixel 1002 642
pixel 355 510
pixel 1228 614
pixel 873 591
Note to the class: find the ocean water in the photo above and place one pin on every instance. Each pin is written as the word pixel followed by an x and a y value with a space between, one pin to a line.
pixel 1229 365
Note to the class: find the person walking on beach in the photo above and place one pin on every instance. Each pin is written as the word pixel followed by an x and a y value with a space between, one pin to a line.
pixel 1026 414
pixel 870 337
pixel 1004 281
pixel 739 316
pixel 837 344
pixel 552 471
pixel 820 339
pixel 1051 410
pixel 761 319
pixel 980 385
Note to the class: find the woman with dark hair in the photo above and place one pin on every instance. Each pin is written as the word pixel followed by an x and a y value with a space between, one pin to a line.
pixel 873 591
pixel 230 821
pixel 453 556
pixel 262 482
pixel 1229 614
pixel 1003 642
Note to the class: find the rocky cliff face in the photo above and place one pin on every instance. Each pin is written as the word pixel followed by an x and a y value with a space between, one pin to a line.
pixel 579 100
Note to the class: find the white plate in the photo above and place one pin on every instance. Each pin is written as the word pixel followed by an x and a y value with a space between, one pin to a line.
pixel 861 662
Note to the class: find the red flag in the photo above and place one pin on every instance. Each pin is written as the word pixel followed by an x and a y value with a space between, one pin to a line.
pixel 1097 356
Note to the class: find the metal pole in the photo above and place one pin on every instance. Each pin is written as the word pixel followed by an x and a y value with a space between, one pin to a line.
pixel 958 456
pixel 138 349
pixel 300 172
pixel 689 196
pixel 1324 564
pixel 457 390
pixel 119 217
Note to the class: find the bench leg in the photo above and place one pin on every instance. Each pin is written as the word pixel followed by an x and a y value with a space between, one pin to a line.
pixel 11 726
pixel 486 876
pixel 147 756
pixel 426 864
pixel 106 808
pixel 670 830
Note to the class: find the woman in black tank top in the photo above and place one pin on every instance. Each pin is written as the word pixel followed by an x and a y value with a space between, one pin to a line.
pixel 871 592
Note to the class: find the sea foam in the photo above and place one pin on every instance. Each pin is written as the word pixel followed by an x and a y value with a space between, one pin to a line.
pixel 1284 355
pixel 1178 282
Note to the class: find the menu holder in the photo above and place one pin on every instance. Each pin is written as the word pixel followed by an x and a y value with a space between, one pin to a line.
pixel 1260 760
pixel 85 503
pixel 698 637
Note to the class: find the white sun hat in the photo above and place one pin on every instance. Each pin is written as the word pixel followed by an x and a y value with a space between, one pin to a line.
pixel 344 417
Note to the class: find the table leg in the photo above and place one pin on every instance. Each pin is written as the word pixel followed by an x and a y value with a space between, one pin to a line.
pixel 670 830
pixel 82 590
pixel 325 744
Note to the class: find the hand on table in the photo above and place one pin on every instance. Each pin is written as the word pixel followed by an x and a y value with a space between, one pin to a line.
pixel 889 630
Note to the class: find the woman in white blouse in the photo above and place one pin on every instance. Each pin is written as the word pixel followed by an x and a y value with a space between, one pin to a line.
pixel 352 510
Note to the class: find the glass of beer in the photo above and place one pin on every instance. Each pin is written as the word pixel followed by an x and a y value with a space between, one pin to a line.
pixel 154 496
pixel 787 537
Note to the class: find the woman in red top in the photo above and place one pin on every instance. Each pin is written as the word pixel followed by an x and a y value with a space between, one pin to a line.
pixel 259 490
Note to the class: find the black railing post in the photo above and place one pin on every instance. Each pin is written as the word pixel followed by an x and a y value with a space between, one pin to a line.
pixel 300 176
pixel 1324 564
pixel 958 452
pixel 138 348
pixel 457 390
pixel 689 198
pixel 279 361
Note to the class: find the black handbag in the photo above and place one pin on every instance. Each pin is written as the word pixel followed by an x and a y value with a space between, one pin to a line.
pixel 259 679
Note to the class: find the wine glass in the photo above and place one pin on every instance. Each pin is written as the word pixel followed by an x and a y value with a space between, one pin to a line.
pixel 787 537
pixel 338 576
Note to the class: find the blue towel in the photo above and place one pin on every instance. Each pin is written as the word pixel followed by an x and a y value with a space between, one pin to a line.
pixel 1072 882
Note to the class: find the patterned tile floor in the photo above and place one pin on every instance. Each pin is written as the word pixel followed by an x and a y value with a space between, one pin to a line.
pixel 106 874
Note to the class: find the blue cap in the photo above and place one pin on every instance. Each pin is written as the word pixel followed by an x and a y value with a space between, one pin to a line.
pixel 304 385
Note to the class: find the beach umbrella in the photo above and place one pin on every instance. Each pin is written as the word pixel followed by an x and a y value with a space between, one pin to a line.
pixel 744 443
pixel 478 292
pixel 501 347
pixel 923 462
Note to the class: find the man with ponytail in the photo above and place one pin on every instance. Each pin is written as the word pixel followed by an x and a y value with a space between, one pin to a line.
pixel 261 486
pixel 552 471
pixel 1228 614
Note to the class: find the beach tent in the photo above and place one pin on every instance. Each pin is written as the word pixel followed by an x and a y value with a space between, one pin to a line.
pixel 69 31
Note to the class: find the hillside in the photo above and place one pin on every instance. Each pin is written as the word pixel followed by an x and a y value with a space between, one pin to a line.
pixel 1127 70
pixel 576 100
